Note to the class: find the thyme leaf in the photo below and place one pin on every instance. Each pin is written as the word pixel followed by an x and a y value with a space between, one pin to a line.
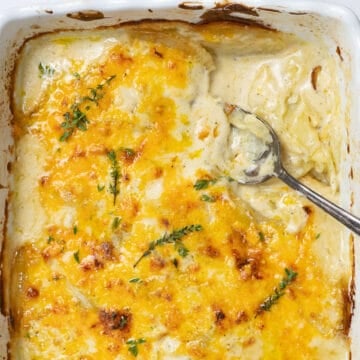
pixel 77 257
pixel 204 183
pixel 207 198
pixel 290 276
pixel 45 70
pixel 261 236
pixel 133 345
pixel 114 174
pixel 172 238
pixel 97 92
pixel 100 187
pixel 116 222
pixel 135 281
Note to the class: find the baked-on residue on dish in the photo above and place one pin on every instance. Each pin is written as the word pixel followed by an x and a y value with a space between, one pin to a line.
pixel 124 238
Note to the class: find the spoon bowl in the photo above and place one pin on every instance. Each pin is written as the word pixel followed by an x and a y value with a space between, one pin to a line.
pixel 255 156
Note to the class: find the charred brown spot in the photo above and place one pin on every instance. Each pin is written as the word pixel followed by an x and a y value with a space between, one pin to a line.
pixel 338 51
pixel 158 54
pixel 163 294
pixel 240 260
pixel 44 180
pixel 115 320
pixel 128 156
pixel 211 251
pixel 314 76
pixel 219 316
pixel 158 172
pixel 237 237
pixel 308 209
pixel 165 222
pixel 32 292
pixel 348 148
pixel 91 263
pixel 241 317
pixel 107 249
pixel 120 58
pixel 248 264
pixel 250 341
pixel 157 263
pixel 8 167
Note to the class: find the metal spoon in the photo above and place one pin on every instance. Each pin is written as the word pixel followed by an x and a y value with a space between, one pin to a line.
pixel 263 161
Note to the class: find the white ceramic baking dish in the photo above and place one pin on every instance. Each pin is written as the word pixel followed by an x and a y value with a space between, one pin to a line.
pixel 337 25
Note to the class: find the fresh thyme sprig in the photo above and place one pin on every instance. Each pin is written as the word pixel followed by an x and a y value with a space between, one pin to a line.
pixel 290 276
pixel 114 174
pixel 97 92
pixel 76 118
pixel 172 238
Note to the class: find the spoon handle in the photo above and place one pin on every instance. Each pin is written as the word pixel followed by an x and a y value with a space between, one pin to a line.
pixel 345 217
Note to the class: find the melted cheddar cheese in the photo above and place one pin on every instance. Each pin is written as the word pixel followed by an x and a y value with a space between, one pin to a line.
pixel 119 137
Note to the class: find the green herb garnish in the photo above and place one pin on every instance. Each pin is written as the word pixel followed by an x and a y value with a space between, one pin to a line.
pixel 175 262
pixel 50 239
pixel 75 229
pixel 76 75
pixel 116 222
pixel 76 256
pixel 135 281
pixel 290 276
pixel 97 92
pixel 261 236
pixel 317 236
pixel 172 238
pixel 100 187
pixel 114 174
pixel 45 70
pixel 204 183
pixel 76 119
pixel 133 345
pixel 207 198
